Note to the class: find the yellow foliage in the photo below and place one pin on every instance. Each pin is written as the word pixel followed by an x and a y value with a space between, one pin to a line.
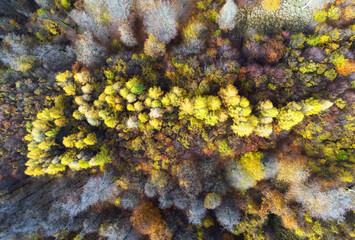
pixel 70 89
pixel 245 128
pixel 80 144
pixel 348 13
pixel 155 92
pixel 68 157
pixel 187 107
pixel 60 122
pixel 46 145
pixel 55 168
pixel 155 123
pixel 192 30
pixel 320 16
pixel 34 171
pixel 69 141
pixel 25 63
pixel 51 26
pixel 213 103
pixel 63 77
pixel 208 222
pixel 270 5
pixel 153 48
pixel 82 77
pixel 65 3
pixel 292 169
pixel 56 113
pixel 230 96
pixel 251 164
pixel 290 116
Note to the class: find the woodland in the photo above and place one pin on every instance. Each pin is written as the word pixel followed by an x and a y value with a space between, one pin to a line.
pixel 177 119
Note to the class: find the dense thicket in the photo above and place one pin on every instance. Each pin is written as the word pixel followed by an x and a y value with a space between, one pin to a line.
pixel 179 119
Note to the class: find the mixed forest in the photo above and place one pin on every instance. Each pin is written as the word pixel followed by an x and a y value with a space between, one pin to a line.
pixel 177 119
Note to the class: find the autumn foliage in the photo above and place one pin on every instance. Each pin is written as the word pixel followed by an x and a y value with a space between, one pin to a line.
pixel 177 119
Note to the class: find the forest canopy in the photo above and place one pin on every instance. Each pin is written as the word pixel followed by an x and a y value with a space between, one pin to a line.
pixel 177 119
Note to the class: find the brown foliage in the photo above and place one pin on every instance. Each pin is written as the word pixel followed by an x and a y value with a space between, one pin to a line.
pixel 293 168
pixel 146 218
pixel 274 51
pixel 346 68
pixel 275 202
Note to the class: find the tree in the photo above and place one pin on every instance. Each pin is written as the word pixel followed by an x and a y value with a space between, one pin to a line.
pixel 127 35
pixel 196 212
pixel 160 19
pixel 325 205
pixel 46 4
pixel 194 34
pixel 146 218
pixel 228 215
pixel 17 56
pixel 88 51
pixel 187 175
pixel 119 12
pixel 121 229
pixel 290 116
pixel 97 189
pixel 293 168
pixel 274 202
pixel 153 48
pixel 227 15
pixel 266 114
pixel 247 171
pixel 238 178
pixel 212 200
pixel 251 164
pixel 54 57
pixel 271 166
pixel 88 23
pixel 129 199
